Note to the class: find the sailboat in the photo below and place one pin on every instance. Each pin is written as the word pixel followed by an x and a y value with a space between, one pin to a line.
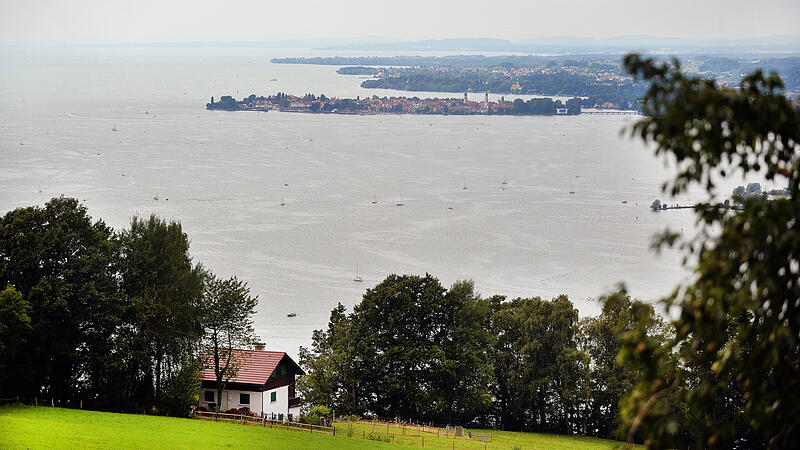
pixel 283 202
pixel 114 128
pixel 375 200
pixel 357 278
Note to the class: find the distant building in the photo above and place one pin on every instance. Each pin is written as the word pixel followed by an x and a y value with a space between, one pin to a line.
pixel 264 384
pixel 562 111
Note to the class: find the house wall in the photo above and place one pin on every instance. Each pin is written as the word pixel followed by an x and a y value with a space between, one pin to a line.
pixel 230 400
pixel 280 405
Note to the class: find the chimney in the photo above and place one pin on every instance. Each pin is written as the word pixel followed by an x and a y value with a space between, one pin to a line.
pixel 259 346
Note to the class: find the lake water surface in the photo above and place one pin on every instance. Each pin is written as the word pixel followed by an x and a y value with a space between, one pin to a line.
pixel 224 176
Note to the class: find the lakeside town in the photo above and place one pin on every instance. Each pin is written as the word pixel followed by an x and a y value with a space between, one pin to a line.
pixel 310 103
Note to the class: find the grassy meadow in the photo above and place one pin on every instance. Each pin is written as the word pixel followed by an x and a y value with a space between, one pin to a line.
pixel 44 427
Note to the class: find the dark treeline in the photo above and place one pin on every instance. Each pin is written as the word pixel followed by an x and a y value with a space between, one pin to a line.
pixel 110 320
pixel 414 350
pixel 623 95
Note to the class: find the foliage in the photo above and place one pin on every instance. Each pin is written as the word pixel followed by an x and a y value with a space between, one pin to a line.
pixel 601 340
pixel 164 288
pixel 108 320
pixel 227 310
pixel 332 368
pixel 540 374
pixel 409 349
pixel 15 326
pixel 317 413
pixel 60 261
pixel 738 321
pixel 181 390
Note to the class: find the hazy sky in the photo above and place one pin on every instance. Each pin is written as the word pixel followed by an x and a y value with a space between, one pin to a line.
pixel 123 21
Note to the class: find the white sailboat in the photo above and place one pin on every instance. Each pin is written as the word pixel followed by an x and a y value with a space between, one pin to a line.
pixel 357 278
pixel 114 128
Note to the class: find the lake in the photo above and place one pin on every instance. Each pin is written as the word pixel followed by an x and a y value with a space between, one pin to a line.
pixel 225 176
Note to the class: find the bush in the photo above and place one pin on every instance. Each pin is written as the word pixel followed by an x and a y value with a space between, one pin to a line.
pixel 181 393
pixel 317 414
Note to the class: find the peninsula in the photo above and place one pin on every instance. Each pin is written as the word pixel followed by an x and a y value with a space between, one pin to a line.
pixel 310 103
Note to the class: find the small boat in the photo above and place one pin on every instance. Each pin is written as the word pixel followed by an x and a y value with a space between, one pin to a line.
pixel 283 202
pixel 114 128
pixel 357 278
pixel 291 314
pixel 399 204
pixel 625 201
pixel 274 79
pixel 375 200
pixel 155 197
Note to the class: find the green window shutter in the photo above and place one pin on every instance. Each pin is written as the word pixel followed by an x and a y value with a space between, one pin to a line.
pixel 273 396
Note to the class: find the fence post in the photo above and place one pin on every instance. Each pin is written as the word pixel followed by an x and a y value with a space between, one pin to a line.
pixel 334 430
pixel 423 441
pixel 363 434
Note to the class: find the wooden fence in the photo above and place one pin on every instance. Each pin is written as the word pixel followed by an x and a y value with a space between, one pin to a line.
pixel 263 421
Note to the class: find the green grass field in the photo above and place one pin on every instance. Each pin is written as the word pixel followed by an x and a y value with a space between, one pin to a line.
pixel 501 440
pixel 43 427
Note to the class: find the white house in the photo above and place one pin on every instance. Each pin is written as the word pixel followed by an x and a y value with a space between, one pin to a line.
pixel 265 384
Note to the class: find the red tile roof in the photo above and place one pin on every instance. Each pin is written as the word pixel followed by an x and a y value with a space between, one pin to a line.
pixel 256 366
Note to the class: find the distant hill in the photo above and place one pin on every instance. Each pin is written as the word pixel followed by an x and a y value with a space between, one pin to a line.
pixel 568 44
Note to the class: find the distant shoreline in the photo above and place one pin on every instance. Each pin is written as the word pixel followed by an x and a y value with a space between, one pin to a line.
pixel 402 105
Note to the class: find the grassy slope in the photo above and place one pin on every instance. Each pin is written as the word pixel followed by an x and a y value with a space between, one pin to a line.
pixel 500 439
pixel 40 427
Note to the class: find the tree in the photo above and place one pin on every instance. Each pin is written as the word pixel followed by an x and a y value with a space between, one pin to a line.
pixel 463 374
pixel 227 309
pixel 15 324
pixel 738 321
pixel 61 262
pixel 165 290
pixel 410 349
pixel 602 340
pixel 540 375
pixel 333 376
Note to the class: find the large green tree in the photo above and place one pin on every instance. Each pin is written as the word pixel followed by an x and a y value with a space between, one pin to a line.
pixel 61 262
pixel 738 321
pixel 540 374
pixel 601 338
pixel 411 349
pixel 165 288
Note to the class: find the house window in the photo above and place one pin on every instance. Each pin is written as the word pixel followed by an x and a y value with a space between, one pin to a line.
pixel 244 399
pixel 273 397
pixel 209 396
pixel 280 416
pixel 283 370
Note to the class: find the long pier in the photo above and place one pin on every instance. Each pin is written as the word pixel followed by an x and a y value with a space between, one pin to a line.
pixel 611 113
